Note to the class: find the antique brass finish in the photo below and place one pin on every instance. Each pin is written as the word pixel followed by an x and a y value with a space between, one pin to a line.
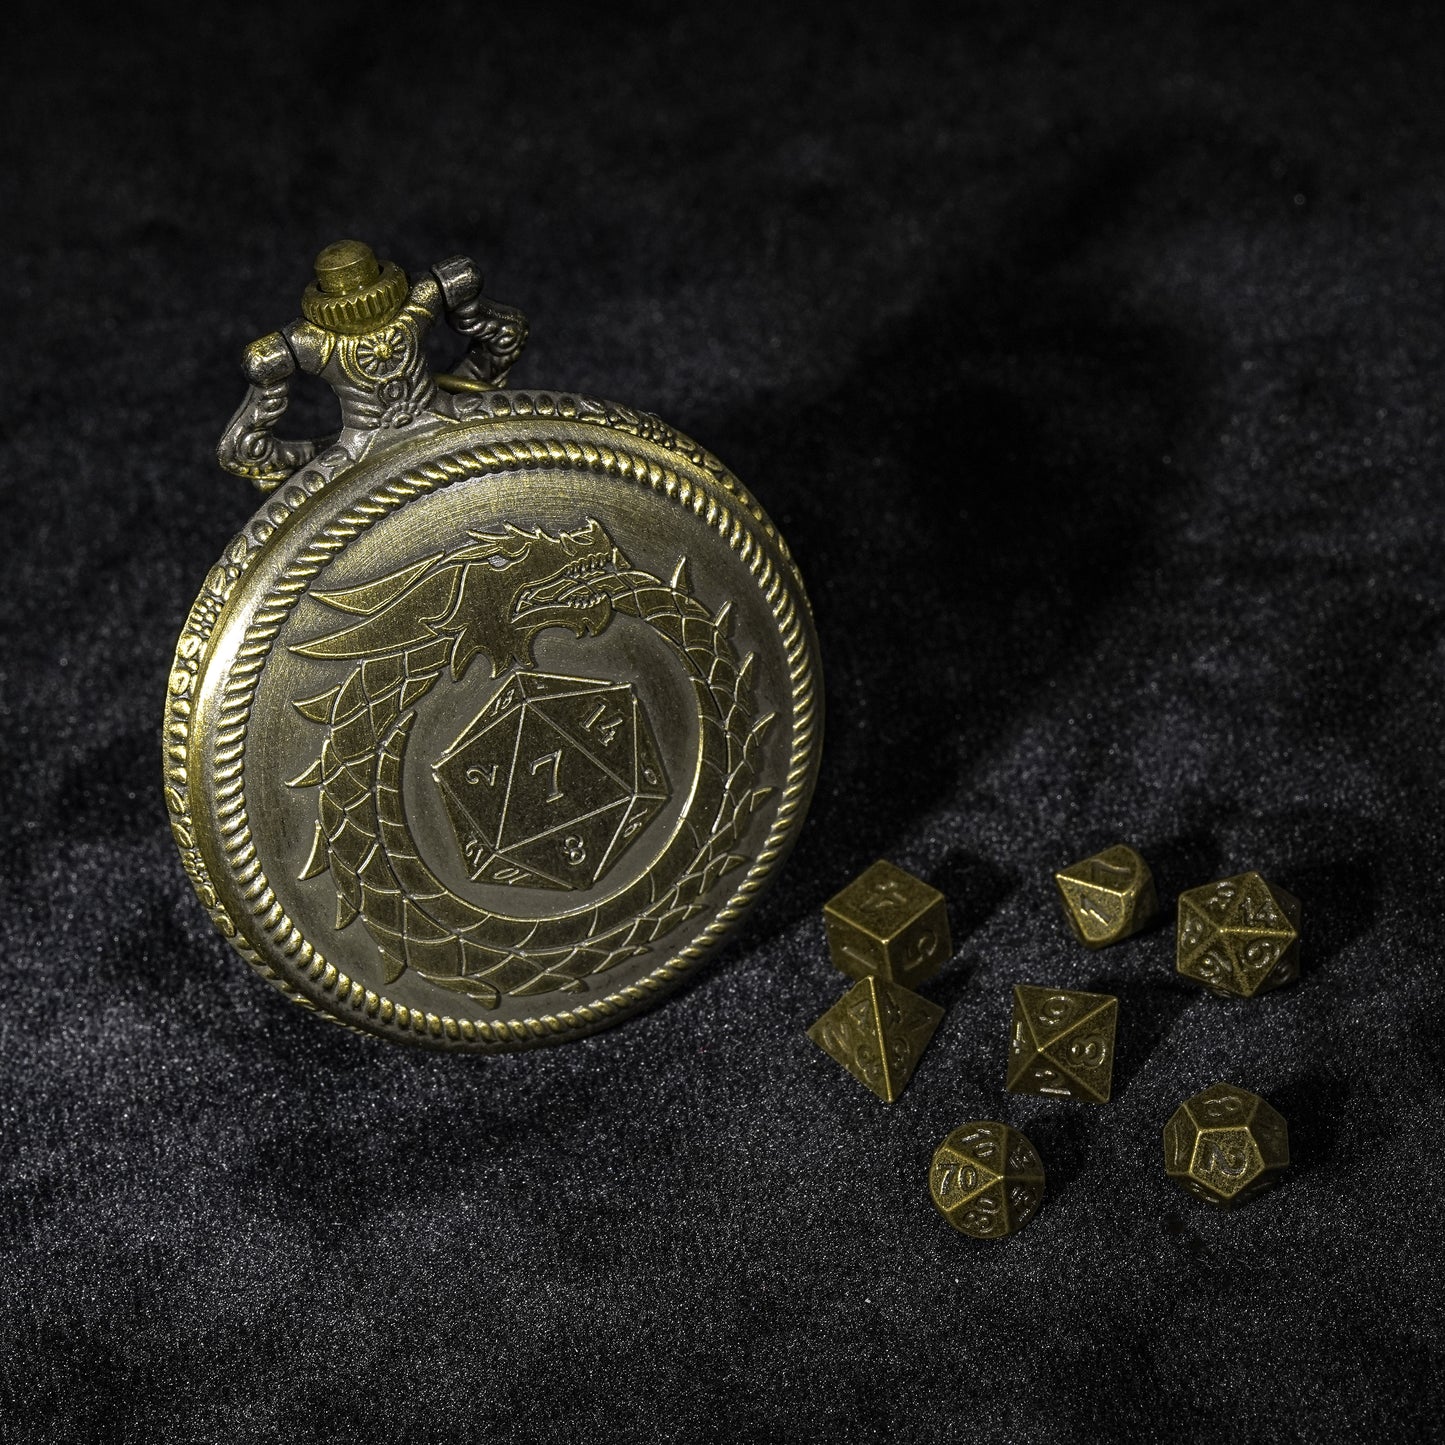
pixel 503 708
pixel 890 924
pixel 878 1032
pixel 1239 937
pixel 352 292
pixel 1061 1043
pixel 1108 896
pixel 986 1180
pixel 1225 1144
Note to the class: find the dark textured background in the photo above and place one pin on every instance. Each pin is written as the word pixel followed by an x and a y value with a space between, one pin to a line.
pixel 1093 369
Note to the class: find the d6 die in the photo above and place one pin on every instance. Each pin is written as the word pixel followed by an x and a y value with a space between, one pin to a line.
pixel 888 924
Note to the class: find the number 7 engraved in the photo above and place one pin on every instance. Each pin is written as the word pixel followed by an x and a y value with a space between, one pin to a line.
pixel 555 759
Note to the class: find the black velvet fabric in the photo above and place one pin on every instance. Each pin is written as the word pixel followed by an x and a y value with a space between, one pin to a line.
pixel 1091 362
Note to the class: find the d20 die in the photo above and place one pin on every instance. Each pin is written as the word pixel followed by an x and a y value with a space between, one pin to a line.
pixel 1239 936
pixel 1225 1144
pixel 552 782
pixel 889 924
pixel 1061 1043
pixel 986 1179
pixel 878 1032
pixel 1108 896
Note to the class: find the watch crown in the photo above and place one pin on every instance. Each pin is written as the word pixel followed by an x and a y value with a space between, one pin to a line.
pixel 353 292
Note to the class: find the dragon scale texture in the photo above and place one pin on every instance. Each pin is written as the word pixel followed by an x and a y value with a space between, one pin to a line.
pixel 364 841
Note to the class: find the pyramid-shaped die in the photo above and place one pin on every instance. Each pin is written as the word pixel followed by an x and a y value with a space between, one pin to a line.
pixel 878 1032
pixel 986 1179
pixel 1061 1043
pixel 1107 896
pixel 1239 937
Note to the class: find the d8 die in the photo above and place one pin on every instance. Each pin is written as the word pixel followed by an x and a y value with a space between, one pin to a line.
pixel 1061 1043
pixel 986 1180
pixel 1225 1144
pixel 1108 896
pixel 1239 936
pixel 889 924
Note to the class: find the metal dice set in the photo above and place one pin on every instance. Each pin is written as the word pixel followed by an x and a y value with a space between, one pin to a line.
pixel 1238 937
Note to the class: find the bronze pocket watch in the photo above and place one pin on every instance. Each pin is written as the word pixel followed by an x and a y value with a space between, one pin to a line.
pixel 503 707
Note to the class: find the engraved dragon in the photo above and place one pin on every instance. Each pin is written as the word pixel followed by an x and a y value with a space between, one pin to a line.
pixel 492 598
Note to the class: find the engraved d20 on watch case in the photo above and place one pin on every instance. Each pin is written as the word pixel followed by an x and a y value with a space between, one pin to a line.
pixel 504 706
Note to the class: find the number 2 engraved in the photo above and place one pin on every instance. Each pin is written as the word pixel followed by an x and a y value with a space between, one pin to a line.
pixel 553 760
pixel 487 775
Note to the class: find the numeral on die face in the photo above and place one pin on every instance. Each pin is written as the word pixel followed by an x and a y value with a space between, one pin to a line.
pixel 1225 1144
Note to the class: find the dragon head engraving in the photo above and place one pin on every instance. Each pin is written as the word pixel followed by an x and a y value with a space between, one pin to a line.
pixel 493 596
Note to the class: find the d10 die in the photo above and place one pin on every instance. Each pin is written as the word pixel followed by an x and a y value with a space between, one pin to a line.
pixel 889 924
pixel 1061 1043
pixel 987 1180
pixel 1108 896
pixel 1239 936
pixel 878 1032
pixel 1225 1144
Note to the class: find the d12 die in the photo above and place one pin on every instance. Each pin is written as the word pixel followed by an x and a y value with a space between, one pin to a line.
pixel 986 1180
pixel 1225 1144
pixel 1061 1043
pixel 878 1032
pixel 1108 896
pixel 890 924
pixel 1239 936
pixel 552 782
